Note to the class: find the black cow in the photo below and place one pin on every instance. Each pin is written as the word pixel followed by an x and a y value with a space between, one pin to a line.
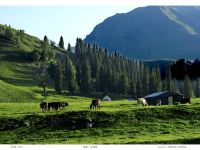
pixel 95 104
pixel 185 100
pixel 43 106
pixel 53 105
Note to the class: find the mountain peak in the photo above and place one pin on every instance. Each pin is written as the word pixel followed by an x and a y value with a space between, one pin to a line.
pixel 152 32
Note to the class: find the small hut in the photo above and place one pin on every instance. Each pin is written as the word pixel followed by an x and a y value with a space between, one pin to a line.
pixel 163 98
pixel 107 98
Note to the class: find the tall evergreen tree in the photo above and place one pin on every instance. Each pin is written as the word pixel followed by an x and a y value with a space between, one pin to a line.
pixel 46 40
pixel 61 43
pixel 71 76
pixel 145 81
pixel 58 78
pixel 124 84
pixel 188 89
pixel 85 85
pixel 168 81
pixel 139 88
pixel 69 48
pixel 102 80
pixel 197 88
pixel 132 90
pixel 155 84
pixel 42 75
pixel 158 80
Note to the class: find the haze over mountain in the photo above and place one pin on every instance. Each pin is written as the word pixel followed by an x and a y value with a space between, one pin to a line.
pixel 153 32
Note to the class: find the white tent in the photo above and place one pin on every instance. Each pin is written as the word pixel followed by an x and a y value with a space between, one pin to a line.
pixel 107 98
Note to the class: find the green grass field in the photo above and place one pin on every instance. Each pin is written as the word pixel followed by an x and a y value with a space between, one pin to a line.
pixel 117 122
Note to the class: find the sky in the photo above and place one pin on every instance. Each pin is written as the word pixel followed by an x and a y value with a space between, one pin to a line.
pixel 69 18
pixel 69 21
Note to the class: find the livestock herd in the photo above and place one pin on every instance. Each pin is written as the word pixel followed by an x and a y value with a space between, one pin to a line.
pixel 44 106
pixel 52 105
pixel 94 104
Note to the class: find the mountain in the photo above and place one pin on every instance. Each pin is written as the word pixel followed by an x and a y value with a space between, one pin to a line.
pixel 153 32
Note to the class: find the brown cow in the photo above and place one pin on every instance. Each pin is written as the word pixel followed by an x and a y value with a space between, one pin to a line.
pixel 62 105
pixel 43 106
pixel 95 104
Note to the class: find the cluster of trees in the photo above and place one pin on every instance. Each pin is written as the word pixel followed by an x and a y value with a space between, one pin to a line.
pixel 93 69
pixel 11 36
pixel 186 77
pixel 183 67
pixel 50 68
pixel 44 53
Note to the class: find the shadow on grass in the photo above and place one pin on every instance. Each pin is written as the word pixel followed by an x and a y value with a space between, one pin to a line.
pixel 178 141
pixel 15 56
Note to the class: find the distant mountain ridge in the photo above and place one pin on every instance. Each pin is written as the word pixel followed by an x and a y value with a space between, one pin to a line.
pixel 153 32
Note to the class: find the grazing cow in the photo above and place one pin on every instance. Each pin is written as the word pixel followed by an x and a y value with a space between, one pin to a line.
pixel 43 106
pixel 95 104
pixel 62 105
pixel 141 101
pixel 53 105
pixel 185 100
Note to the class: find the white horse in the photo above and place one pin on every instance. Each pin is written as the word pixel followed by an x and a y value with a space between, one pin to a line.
pixel 142 101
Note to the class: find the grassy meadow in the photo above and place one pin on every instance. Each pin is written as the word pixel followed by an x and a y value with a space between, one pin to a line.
pixel 116 122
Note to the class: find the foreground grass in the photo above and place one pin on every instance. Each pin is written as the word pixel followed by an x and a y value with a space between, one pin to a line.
pixel 117 122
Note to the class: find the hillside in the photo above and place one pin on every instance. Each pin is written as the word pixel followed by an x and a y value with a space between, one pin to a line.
pixel 16 64
pixel 17 78
pixel 11 93
pixel 151 32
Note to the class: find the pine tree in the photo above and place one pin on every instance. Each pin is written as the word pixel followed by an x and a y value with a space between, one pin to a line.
pixel 169 82
pixel 145 81
pixel 124 84
pixel 46 40
pixel 188 89
pixel 61 43
pixel 46 53
pixel 102 80
pixel 77 49
pixel 197 88
pixel 158 83
pixel 69 48
pixel 132 90
pixel 58 78
pixel 139 91
pixel 155 81
pixel 71 76
pixel 85 85
pixel 42 75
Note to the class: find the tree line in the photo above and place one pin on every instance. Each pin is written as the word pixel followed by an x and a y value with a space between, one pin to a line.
pixel 92 69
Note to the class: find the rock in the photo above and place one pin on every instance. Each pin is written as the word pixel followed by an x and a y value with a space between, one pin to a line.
pixel 89 125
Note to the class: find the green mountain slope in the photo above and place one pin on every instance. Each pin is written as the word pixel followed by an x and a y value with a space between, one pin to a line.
pixel 17 70
pixel 11 93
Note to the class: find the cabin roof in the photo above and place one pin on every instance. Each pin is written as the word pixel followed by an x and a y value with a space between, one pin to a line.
pixel 164 94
